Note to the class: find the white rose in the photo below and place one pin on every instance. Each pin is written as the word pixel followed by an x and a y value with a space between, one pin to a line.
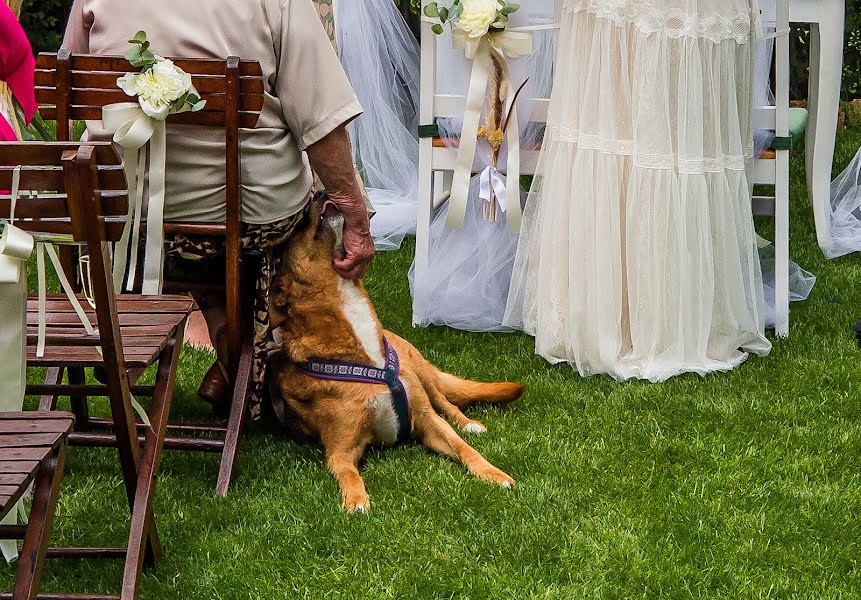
pixel 477 16
pixel 157 88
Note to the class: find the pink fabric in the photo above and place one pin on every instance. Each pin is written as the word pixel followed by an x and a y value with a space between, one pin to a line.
pixel 17 67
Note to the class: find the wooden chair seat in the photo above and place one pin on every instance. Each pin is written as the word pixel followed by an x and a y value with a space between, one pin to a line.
pixel 32 451
pixel 27 439
pixel 147 324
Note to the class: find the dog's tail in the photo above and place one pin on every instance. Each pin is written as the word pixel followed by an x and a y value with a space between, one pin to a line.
pixel 462 392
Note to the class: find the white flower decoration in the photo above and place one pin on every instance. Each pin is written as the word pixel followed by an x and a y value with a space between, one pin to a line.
pixel 157 88
pixel 478 16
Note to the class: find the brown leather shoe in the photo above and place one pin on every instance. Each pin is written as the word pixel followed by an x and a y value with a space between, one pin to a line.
pixel 215 388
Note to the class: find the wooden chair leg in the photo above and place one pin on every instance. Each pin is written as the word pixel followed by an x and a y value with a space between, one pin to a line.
pixel 53 376
pixel 143 541
pixel 32 558
pixel 78 402
pixel 236 422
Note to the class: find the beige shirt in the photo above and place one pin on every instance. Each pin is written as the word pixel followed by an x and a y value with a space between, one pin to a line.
pixel 307 94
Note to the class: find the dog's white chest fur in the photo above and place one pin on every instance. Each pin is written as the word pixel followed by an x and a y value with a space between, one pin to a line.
pixel 385 425
pixel 360 314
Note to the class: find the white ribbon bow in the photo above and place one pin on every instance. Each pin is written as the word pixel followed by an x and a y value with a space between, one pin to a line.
pixel 491 178
pixel 513 44
pixel 138 133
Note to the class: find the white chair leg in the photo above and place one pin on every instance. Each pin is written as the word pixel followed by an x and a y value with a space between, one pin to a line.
pixel 781 245
pixel 823 136
pixel 423 220
pixel 812 106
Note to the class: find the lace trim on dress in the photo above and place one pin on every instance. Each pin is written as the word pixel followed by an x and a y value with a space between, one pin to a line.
pixel 687 165
pixel 674 23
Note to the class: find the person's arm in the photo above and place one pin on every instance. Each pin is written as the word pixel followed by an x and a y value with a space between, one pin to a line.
pixel 77 37
pixel 332 160
pixel 317 102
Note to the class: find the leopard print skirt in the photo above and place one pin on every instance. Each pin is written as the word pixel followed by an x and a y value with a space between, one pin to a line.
pixel 191 258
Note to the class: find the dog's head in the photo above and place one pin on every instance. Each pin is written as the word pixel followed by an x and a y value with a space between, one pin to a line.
pixel 305 268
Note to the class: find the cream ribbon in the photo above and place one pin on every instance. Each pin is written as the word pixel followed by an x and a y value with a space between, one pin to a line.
pixel 16 245
pixel 140 135
pixel 513 44
pixel 491 178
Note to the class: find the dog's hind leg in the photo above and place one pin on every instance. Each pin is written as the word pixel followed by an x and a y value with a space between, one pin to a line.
pixel 438 435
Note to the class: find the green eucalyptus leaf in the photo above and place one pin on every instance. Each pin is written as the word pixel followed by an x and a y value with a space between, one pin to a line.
pixel 455 11
pixel 437 29
pixel 198 105
pixel 443 14
pixel 140 38
pixel 510 8
pixel 431 10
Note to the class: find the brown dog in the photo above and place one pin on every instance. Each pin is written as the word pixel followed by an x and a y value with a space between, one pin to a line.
pixel 326 319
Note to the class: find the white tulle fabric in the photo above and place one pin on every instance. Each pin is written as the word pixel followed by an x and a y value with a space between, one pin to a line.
pixel 846 211
pixel 469 269
pixel 638 257
pixel 381 58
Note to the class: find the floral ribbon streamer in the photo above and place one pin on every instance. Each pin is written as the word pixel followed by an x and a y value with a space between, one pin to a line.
pixel 514 44
pixel 140 135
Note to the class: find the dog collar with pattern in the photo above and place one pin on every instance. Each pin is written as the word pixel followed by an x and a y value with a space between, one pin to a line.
pixel 337 370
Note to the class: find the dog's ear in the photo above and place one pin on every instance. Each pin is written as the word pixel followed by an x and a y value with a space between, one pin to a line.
pixel 278 300
pixel 332 219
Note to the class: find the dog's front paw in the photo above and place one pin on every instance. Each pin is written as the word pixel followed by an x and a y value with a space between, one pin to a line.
pixel 474 427
pixel 357 503
pixel 498 477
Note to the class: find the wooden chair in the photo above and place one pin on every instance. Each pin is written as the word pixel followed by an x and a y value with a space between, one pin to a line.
pixel 32 449
pixel 89 205
pixel 77 88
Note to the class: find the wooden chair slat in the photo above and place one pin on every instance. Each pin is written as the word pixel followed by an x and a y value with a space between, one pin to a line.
pixel 53 207
pixel 118 64
pixel 13 454
pixel 18 466
pixel 247 120
pixel 49 153
pixel 27 426
pixel 113 227
pixel 19 440
pixel 16 479
pixel 107 80
pixel 29 415
pixel 215 102
pixel 51 178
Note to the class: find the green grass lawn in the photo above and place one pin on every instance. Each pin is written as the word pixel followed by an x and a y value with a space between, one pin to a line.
pixel 738 485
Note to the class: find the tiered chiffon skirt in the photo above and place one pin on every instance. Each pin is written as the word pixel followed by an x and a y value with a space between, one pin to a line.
pixel 638 257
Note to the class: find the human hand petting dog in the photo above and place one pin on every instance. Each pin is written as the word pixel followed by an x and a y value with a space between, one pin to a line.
pixel 332 160
pixel 358 243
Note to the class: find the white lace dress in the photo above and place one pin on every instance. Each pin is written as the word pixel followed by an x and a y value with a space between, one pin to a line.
pixel 638 256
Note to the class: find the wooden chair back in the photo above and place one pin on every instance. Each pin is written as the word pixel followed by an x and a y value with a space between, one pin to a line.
pixel 75 205
pixel 51 180
pixel 77 87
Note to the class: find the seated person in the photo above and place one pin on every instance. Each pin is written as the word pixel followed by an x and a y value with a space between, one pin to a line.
pixel 308 102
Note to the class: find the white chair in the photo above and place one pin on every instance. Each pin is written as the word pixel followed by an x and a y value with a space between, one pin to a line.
pixel 772 168
pixel 442 96
pixel 826 19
